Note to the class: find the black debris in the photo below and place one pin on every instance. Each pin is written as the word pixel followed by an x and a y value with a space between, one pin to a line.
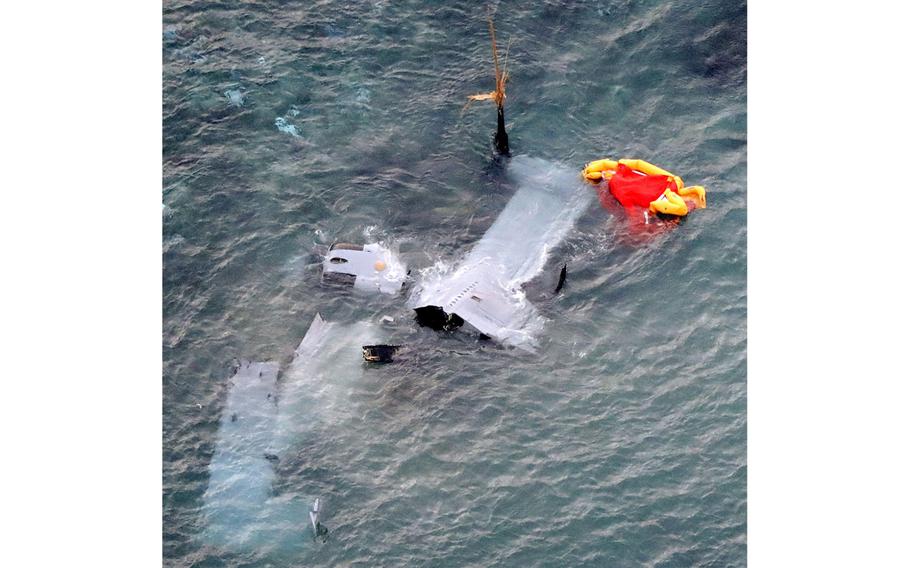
pixel 379 353
pixel 562 279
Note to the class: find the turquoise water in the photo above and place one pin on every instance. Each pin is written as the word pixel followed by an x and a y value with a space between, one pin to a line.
pixel 622 441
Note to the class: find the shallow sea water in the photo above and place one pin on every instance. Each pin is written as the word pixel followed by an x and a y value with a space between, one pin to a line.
pixel 622 441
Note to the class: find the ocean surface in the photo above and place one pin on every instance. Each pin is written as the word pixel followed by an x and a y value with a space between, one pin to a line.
pixel 290 125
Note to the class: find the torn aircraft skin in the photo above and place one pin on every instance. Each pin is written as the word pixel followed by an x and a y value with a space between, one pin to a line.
pixel 485 289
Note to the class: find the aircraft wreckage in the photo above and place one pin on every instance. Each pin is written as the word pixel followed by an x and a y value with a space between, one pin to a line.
pixel 270 408
pixel 265 417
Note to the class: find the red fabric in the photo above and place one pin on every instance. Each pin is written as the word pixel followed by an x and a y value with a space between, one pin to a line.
pixel 631 188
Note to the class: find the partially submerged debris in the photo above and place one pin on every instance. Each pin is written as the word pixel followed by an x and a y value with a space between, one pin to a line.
pixel 319 530
pixel 370 267
pixel 498 95
pixel 485 289
pixel 317 383
pixel 379 353
pixel 562 278
pixel 241 471
pixel 436 318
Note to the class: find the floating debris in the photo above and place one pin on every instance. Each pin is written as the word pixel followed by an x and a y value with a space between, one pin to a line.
pixel 498 95
pixel 371 267
pixel 234 97
pixel 240 480
pixel 379 353
pixel 637 183
pixel 562 278
pixel 284 126
pixel 485 289
pixel 319 530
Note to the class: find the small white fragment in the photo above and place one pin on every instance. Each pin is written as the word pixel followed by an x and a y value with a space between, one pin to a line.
pixel 284 126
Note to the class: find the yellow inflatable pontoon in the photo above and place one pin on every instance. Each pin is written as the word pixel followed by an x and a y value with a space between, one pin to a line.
pixel 640 183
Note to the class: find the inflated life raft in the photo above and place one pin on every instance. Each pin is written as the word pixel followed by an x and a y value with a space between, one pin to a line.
pixel 637 183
